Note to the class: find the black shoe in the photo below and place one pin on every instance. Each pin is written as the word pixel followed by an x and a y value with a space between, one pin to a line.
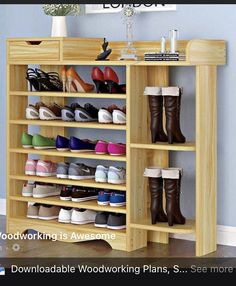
pixel 88 113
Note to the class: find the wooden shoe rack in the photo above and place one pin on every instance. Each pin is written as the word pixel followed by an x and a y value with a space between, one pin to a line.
pixel 50 54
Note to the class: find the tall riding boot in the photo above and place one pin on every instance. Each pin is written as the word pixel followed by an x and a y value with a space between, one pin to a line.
pixel 172 99
pixel 172 184
pixel 156 110
pixel 155 182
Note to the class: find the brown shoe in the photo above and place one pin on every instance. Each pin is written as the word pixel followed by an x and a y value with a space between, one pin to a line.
pixel 33 211
pixel 51 112
pixel 47 212
pixel 32 111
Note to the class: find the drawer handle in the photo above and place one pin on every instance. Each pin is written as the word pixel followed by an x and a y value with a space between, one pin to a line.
pixel 34 43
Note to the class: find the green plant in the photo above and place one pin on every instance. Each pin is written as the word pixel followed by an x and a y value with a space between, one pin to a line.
pixel 61 9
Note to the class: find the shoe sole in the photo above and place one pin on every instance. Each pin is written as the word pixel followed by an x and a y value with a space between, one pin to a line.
pixel 46 195
pixel 27 146
pixel 65 198
pixel 100 180
pixel 32 216
pixel 62 176
pixel 44 147
pixel 63 149
pixel 116 182
pixel 101 225
pixel 84 199
pixel 31 173
pixel 101 153
pixel 113 154
pixel 47 217
pixel 51 115
pixel 26 195
pixel 82 222
pixel 81 151
pixel 40 174
pixel 116 227
pixel 103 203
pixel 64 221
pixel 117 204
pixel 81 177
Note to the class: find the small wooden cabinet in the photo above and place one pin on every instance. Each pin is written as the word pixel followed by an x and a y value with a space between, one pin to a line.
pixel 51 54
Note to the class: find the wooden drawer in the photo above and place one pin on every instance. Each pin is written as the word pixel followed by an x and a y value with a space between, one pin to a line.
pixel 34 50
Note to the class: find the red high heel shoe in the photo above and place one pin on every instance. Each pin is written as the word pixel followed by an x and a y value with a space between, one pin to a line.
pixel 112 80
pixel 75 82
pixel 98 79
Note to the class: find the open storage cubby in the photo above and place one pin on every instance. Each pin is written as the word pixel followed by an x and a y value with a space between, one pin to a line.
pixel 50 54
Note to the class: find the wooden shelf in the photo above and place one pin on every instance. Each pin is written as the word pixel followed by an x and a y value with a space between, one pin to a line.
pixel 71 63
pixel 163 63
pixel 88 228
pixel 92 205
pixel 188 146
pixel 188 227
pixel 60 123
pixel 69 95
pixel 82 183
pixel 68 154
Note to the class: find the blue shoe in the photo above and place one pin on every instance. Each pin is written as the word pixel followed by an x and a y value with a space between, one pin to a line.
pixel 117 199
pixel 103 198
pixel 62 143
pixel 77 145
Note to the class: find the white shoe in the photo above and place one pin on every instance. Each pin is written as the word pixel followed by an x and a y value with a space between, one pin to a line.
pixel 101 174
pixel 118 117
pixel 104 116
pixel 27 189
pixel 82 216
pixel 65 215
pixel 116 175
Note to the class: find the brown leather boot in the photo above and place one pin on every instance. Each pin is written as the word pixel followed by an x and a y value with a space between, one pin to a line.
pixel 156 110
pixel 172 185
pixel 156 190
pixel 172 99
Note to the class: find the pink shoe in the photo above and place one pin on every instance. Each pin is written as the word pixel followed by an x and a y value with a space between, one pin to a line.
pixel 46 168
pixel 101 147
pixel 30 167
pixel 116 149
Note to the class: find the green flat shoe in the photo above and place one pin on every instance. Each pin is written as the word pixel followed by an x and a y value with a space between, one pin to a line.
pixel 40 142
pixel 26 140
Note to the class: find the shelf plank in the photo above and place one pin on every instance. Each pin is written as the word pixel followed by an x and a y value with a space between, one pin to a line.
pixel 163 63
pixel 69 95
pixel 92 205
pixel 68 154
pixel 61 123
pixel 71 62
pixel 188 227
pixel 188 146
pixel 83 183
pixel 88 228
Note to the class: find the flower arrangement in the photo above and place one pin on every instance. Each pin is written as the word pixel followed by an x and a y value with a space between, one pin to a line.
pixel 61 9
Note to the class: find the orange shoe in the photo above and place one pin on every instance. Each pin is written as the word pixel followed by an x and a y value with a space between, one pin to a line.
pixel 63 77
pixel 75 82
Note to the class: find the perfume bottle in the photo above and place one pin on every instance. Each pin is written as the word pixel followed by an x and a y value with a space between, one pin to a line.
pixel 173 35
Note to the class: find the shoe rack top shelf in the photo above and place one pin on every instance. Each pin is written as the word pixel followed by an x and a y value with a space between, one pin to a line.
pixel 69 95
pixel 68 154
pixel 83 51
pixel 82 183
pixel 61 123
pixel 188 146
pixel 188 227
pixel 92 205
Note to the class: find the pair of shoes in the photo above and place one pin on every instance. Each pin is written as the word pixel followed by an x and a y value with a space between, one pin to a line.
pixel 37 141
pixel 42 81
pixel 45 212
pixel 40 168
pixel 40 190
pixel 112 175
pixel 43 112
pixel 75 171
pixel 88 113
pixel 72 82
pixel 112 114
pixel 76 216
pixel 168 179
pixel 110 220
pixel 78 194
pixel 74 144
pixel 114 149
pixel 107 82
pixel 114 199
pixel 172 101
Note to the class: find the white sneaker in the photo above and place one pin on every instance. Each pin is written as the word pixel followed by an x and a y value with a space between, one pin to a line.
pixel 101 174
pixel 118 117
pixel 104 116
pixel 65 215
pixel 82 216
pixel 116 175
pixel 27 189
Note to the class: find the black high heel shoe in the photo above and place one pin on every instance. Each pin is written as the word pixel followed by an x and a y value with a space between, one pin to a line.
pixel 112 81
pixel 32 78
pixel 98 79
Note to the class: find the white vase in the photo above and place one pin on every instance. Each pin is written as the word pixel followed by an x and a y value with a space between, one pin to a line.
pixel 59 28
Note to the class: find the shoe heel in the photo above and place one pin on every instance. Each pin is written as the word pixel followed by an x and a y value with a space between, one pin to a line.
pixel 69 80
pixel 110 85
pixel 170 219
pixel 64 84
pixel 170 138
pixel 98 84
